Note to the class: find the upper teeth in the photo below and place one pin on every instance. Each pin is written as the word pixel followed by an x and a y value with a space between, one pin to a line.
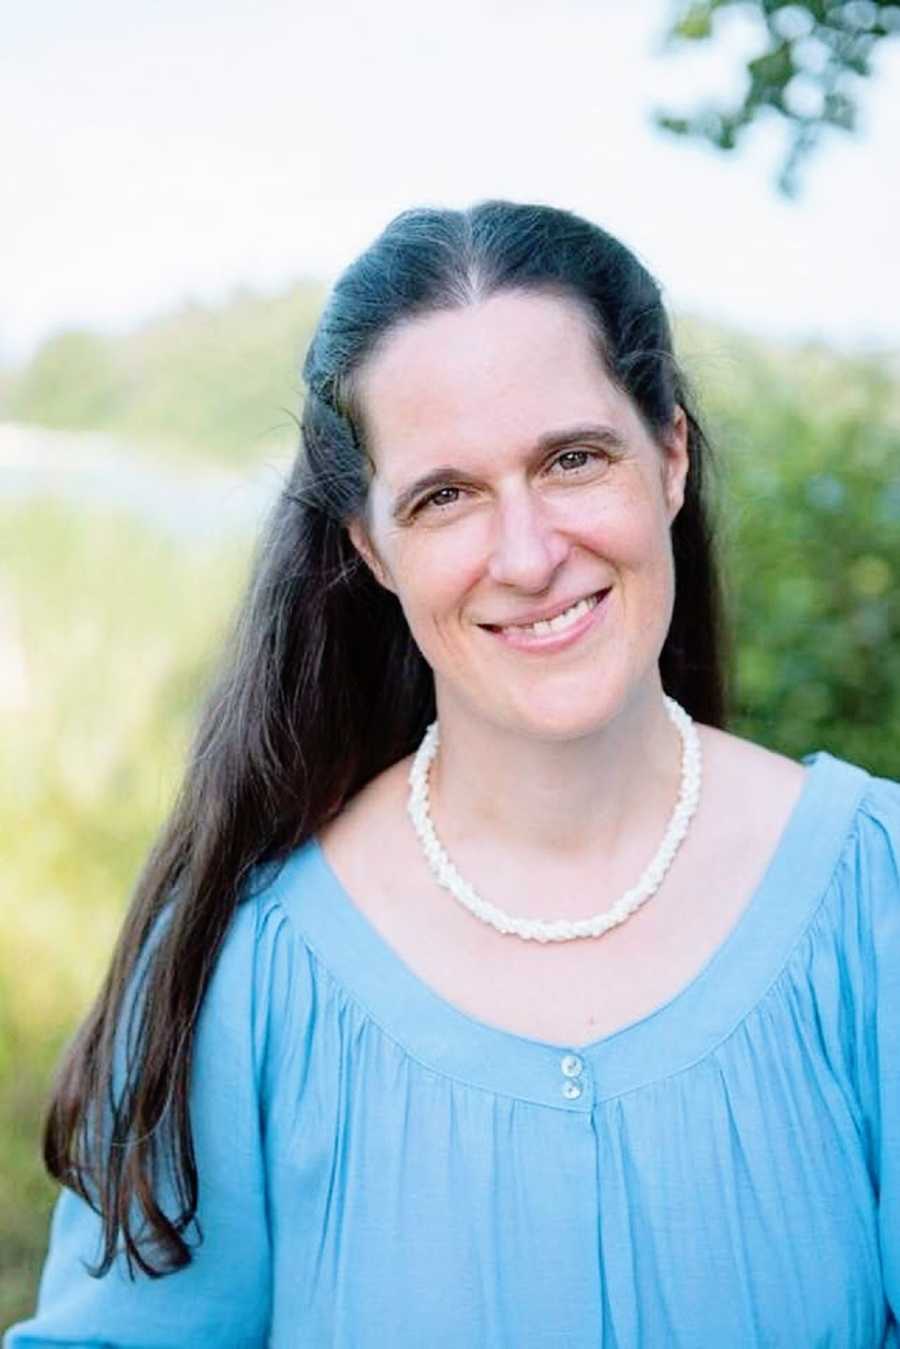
pixel 563 620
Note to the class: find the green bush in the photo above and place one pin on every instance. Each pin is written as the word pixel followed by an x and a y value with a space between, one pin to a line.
pixel 73 381
pixel 216 382
pixel 809 508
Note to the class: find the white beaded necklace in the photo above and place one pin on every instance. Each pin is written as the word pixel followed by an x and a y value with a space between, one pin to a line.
pixel 539 929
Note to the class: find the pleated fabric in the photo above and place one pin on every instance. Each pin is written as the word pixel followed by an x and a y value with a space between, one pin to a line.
pixel 378 1168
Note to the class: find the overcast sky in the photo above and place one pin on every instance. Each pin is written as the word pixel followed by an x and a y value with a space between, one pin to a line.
pixel 178 148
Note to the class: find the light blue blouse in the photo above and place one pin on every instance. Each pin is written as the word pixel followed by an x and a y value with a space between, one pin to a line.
pixel 380 1170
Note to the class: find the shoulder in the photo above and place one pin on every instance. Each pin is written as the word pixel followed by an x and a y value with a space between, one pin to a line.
pixel 880 808
pixel 844 846
pixel 856 828
pixel 372 824
pixel 256 937
pixel 742 764
pixel 864 912
pixel 862 807
pixel 872 862
pixel 749 798
pixel 259 994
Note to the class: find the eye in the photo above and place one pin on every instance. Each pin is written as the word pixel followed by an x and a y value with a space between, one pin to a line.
pixel 573 463
pixel 573 460
pixel 439 499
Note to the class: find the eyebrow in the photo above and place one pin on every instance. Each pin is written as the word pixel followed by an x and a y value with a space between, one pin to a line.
pixel 545 444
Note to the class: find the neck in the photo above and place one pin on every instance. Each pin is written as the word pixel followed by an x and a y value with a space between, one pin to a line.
pixel 601 800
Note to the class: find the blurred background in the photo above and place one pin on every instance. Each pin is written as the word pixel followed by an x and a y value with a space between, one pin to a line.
pixel 182 182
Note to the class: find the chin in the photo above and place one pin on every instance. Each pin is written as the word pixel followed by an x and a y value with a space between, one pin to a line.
pixel 555 722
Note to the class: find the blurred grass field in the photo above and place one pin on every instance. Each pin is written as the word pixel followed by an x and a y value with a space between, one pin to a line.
pixel 110 626
pixel 118 628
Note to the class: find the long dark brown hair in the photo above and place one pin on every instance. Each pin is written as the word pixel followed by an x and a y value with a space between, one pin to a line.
pixel 321 687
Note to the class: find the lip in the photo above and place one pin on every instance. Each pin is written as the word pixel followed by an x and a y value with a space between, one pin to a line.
pixel 542 615
pixel 521 640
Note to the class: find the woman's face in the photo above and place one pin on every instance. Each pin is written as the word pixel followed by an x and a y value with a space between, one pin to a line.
pixel 512 481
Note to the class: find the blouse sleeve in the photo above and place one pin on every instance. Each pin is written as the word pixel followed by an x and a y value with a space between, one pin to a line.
pixel 223 1296
pixel 879 863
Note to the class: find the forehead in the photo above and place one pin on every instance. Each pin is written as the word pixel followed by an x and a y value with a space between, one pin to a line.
pixel 486 377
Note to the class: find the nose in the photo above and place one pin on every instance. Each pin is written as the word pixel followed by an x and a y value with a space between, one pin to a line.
pixel 528 545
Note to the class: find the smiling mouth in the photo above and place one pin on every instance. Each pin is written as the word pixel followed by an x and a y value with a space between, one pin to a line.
pixel 559 623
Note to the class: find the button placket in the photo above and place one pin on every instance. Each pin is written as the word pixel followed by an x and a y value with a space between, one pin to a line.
pixel 572 1067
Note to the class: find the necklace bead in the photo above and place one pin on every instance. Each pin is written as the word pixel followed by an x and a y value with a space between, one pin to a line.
pixel 562 929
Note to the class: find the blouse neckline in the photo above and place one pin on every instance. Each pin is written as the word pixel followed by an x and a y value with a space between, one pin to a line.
pixel 672 1037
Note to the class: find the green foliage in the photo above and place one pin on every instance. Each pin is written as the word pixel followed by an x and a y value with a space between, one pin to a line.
pixel 815 54
pixel 695 21
pixel 116 631
pixel 810 519
pixel 214 382
pixel 73 381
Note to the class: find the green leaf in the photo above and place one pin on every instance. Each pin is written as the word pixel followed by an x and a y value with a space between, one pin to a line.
pixel 695 23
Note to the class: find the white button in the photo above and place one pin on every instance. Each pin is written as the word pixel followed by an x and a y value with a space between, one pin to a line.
pixel 571 1091
pixel 571 1065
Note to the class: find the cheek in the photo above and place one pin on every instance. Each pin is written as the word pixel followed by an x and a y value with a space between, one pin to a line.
pixel 436 571
pixel 629 528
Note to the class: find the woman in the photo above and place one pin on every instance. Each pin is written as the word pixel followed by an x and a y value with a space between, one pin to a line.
pixel 571 1021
